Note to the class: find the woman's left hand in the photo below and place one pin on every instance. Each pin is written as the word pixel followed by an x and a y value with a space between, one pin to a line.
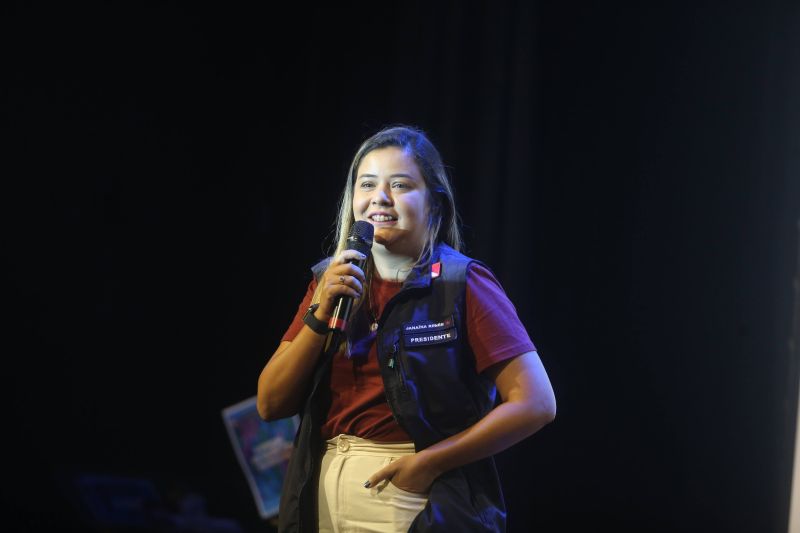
pixel 407 472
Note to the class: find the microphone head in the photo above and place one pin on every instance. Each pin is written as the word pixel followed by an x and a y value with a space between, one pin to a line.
pixel 360 238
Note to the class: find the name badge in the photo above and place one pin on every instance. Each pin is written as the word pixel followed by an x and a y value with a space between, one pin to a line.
pixel 434 337
pixel 428 325
pixel 427 332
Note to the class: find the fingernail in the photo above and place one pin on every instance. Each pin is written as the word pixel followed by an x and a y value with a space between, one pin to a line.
pixel 367 484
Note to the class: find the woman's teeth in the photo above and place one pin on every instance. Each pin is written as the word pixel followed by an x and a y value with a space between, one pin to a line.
pixel 381 218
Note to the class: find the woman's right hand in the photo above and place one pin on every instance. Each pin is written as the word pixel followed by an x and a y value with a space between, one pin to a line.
pixel 342 278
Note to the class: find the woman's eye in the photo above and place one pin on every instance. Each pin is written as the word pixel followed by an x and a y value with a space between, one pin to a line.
pixel 367 185
pixel 400 185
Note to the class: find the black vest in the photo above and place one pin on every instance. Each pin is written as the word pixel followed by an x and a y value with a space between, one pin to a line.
pixel 433 391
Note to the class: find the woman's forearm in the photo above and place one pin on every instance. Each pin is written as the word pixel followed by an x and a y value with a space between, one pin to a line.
pixel 283 383
pixel 504 426
pixel 528 405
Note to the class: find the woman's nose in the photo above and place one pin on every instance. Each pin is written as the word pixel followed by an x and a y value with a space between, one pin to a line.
pixel 382 196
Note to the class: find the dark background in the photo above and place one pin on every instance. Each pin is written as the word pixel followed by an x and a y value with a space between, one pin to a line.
pixel 630 172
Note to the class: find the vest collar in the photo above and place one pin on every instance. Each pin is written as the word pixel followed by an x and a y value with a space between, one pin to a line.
pixel 420 275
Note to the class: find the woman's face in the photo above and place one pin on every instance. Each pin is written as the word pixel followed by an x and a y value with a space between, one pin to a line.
pixel 390 193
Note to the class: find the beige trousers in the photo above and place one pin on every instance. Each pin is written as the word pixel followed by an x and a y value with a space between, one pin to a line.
pixel 345 506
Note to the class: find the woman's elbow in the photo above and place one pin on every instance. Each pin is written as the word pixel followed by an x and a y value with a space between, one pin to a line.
pixel 543 411
pixel 270 410
pixel 548 414
pixel 266 405
pixel 263 409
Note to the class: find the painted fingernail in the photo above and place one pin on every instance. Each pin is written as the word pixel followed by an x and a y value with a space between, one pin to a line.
pixel 367 484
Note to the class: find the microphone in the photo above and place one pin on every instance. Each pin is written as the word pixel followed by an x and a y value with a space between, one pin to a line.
pixel 360 239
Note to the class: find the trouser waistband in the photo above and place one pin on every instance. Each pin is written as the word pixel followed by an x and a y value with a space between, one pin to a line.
pixel 350 445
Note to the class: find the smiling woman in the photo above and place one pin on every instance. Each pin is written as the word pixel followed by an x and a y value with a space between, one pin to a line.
pixel 391 194
pixel 399 422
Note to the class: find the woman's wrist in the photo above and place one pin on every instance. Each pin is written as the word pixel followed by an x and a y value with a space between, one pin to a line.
pixel 429 460
pixel 314 322
pixel 323 314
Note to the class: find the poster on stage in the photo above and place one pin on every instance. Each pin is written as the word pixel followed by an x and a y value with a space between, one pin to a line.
pixel 263 450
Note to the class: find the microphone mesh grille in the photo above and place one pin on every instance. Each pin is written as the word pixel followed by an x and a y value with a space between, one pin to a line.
pixel 361 237
pixel 363 230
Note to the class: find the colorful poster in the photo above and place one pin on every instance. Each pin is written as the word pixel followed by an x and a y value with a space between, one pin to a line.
pixel 263 450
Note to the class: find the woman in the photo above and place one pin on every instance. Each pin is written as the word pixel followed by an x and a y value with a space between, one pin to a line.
pixel 399 426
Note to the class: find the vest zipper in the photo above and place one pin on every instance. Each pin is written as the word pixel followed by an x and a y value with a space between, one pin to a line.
pixel 395 362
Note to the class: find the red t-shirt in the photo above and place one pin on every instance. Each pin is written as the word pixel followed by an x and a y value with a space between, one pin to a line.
pixel 358 402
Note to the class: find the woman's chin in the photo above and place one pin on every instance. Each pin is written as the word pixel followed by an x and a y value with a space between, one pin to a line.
pixel 396 241
pixel 388 235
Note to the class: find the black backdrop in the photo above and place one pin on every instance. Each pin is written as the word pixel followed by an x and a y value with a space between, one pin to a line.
pixel 630 173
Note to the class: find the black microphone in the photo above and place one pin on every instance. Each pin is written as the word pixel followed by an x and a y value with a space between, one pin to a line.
pixel 360 239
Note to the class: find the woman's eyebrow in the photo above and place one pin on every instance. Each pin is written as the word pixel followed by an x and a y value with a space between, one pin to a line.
pixel 399 175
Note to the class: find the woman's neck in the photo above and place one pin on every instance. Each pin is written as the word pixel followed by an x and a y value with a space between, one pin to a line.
pixel 391 266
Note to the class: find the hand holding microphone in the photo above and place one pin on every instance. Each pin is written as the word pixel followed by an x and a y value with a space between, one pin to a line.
pixel 342 282
pixel 360 240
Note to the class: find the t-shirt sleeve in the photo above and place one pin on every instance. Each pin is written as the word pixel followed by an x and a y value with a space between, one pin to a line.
pixel 297 322
pixel 494 331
